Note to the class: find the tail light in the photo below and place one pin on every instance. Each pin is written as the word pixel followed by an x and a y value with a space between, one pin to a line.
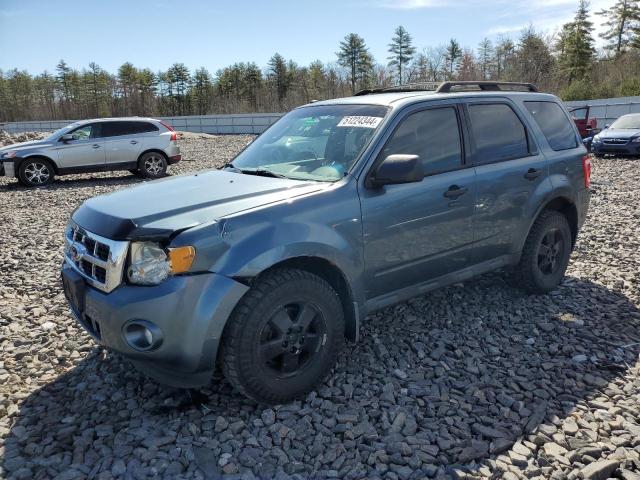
pixel 586 168
pixel 174 137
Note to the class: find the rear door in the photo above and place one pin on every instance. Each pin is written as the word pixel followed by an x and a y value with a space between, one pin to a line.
pixel 85 150
pixel 509 168
pixel 415 232
pixel 124 140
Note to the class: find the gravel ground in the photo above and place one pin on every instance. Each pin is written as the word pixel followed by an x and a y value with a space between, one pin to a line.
pixel 475 380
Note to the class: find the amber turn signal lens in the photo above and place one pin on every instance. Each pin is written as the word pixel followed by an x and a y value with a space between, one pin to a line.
pixel 181 258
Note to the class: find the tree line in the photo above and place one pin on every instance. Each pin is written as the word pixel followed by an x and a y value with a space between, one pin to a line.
pixel 564 62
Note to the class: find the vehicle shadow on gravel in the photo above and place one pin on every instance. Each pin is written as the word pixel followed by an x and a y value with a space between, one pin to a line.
pixel 443 382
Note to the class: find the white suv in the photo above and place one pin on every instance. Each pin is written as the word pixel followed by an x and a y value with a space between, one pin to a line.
pixel 143 146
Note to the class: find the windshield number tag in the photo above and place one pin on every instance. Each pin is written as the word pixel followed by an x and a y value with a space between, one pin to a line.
pixel 360 121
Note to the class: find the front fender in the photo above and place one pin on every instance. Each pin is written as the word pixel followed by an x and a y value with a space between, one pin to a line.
pixel 274 243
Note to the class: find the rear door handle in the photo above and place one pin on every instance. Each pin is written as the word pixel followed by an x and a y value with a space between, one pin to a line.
pixel 133 142
pixel 533 173
pixel 455 191
pixel 95 145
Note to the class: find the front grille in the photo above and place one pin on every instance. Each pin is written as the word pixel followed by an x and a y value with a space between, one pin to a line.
pixel 98 259
pixel 615 141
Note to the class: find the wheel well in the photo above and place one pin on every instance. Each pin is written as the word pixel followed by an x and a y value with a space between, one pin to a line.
pixel 334 277
pixel 153 150
pixel 42 157
pixel 569 210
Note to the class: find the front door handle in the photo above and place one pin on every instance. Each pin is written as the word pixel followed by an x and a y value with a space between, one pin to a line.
pixel 95 145
pixel 133 142
pixel 455 191
pixel 533 173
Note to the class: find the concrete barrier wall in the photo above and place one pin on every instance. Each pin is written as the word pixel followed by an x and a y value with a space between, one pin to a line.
pixel 605 110
pixel 214 124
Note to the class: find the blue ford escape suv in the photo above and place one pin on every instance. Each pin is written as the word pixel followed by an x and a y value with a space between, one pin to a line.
pixel 341 208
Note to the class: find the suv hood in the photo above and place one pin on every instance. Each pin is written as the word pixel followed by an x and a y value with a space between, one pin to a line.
pixel 157 209
pixel 619 133
pixel 24 145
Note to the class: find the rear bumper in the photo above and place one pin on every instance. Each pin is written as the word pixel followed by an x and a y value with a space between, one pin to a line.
pixel 190 311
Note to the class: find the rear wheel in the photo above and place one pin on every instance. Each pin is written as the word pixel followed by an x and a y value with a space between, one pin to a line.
pixel 35 172
pixel 283 337
pixel 153 165
pixel 546 253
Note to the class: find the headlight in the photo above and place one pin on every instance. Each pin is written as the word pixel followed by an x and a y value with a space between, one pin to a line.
pixel 150 264
pixel 635 140
pixel 596 139
pixel 9 154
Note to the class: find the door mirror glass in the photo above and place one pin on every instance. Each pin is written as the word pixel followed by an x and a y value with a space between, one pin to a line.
pixel 397 169
pixel 66 138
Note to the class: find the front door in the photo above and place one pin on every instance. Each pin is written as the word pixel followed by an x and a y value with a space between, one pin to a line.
pixel 415 232
pixel 85 150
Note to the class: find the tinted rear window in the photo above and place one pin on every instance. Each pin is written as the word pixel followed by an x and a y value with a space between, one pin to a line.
pixel 114 129
pixel 498 133
pixel 554 124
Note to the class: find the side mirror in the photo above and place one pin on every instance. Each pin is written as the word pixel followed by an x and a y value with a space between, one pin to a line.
pixel 606 126
pixel 397 169
pixel 66 138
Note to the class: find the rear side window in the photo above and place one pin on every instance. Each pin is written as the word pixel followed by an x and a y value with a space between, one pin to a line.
pixel 497 132
pixel 114 129
pixel 554 124
pixel 432 134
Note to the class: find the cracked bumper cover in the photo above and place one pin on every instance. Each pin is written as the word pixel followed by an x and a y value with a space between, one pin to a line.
pixel 191 311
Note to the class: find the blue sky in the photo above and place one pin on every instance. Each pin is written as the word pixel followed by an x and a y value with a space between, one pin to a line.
pixel 35 34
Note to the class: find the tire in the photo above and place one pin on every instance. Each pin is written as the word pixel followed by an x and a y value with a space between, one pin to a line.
pixel 546 253
pixel 35 172
pixel 267 354
pixel 153 165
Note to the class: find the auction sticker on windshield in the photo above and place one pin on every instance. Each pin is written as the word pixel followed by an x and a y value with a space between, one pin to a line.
pixel 360 121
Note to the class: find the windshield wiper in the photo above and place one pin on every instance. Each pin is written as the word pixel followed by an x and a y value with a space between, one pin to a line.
pixel 261 172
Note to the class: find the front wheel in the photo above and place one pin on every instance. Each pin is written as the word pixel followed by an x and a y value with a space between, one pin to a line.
pixel 283 337
pixel 546 253
pixel 35 172
pixel 153 165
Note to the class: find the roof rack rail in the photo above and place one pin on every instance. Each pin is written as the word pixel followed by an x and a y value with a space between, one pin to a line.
pixel 447 87
pixel 490 86
pixel 406 87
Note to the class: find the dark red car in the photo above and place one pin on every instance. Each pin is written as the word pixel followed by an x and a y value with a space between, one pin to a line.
pixel 586 126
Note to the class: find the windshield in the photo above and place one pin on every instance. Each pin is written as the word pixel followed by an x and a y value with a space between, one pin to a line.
pixel 313 143
pixel 628 121
pixel 62 131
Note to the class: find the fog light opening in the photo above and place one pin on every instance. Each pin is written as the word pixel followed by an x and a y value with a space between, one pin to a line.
pixel 142 335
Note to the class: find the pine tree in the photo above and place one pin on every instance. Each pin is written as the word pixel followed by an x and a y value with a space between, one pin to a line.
pixel 402 50
pixel 354 55
pixel 504 55
pixel 485 58
pixel 620 23
pixel 577 51
pixel 533 61
pixel 453 55
pixel 279 77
